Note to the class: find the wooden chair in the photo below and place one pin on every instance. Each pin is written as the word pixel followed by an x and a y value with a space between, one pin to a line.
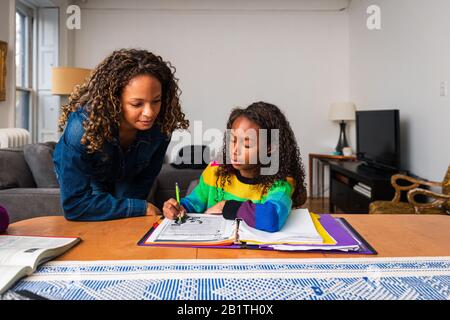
pixel 440 205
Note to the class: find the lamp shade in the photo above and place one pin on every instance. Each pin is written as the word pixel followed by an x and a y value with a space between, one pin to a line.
pixel 64 79
pixel 342 111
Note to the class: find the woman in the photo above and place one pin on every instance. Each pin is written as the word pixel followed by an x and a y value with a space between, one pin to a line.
pixel 117 127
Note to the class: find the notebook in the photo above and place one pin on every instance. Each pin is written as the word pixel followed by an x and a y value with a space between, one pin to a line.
pixel 208 230
pixel 337 236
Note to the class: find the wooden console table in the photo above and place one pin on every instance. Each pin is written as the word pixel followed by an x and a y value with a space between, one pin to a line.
pixel 322 159
pixel 344 177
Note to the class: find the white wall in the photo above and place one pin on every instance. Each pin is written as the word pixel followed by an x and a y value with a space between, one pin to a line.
pixel 66 36
pixel 232 53
pixel 401 66
pixel 7 27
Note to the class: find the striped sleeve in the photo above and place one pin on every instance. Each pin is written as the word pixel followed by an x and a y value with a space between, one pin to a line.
pixel 267 216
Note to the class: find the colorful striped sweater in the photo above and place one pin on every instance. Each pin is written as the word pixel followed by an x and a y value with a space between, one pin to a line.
pixel 244 200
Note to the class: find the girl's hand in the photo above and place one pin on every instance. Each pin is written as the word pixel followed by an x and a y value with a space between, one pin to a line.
pixel 217 208
pixel 152 210
pixel 172 209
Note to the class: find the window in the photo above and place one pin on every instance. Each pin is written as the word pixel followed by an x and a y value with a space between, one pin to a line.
pixel 24 54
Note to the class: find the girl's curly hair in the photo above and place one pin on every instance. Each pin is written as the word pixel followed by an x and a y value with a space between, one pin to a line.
pixel 100 95
pixel 268 116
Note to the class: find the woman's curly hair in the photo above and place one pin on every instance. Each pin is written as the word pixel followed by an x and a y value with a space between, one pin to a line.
pixel 268 116
pixel 101 92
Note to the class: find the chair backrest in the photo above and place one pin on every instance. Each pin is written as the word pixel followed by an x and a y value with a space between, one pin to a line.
pixel 446 187
pixel 192 157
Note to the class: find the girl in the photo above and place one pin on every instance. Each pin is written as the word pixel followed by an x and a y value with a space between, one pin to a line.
pixel 118 125
pixel 239 189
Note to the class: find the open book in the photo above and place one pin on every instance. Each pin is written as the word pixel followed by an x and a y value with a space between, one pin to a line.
pixel 203 229
pixel 21 255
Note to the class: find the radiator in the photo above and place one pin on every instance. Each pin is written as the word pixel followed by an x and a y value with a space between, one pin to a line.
pixel 14 137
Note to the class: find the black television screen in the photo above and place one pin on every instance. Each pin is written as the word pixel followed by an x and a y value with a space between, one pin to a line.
pixel 378 138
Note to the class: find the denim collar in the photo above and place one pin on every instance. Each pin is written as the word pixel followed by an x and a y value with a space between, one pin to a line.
pixel 142 136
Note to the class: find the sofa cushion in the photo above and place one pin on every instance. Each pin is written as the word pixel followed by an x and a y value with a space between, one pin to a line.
pixel 25 203
pixel 14 171
pixel 39 157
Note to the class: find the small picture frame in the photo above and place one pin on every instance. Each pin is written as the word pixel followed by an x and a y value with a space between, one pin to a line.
pixel 3 52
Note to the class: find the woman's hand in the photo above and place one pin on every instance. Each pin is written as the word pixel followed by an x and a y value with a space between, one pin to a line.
pixel 217 208
pixel 172 209
pixel 152 210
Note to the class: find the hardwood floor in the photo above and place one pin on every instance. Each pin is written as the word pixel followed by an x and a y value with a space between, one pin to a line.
pixel 319 205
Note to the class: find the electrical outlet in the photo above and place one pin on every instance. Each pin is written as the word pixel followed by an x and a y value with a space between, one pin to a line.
pixel 443 88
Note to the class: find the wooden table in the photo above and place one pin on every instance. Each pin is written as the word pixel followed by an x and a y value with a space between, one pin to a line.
pixel 390 235
pixel 322 158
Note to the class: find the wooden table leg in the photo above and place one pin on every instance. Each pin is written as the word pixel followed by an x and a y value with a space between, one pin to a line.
pixel 310 176
pixel 317 182
pixel 330 201
pixel 322 183
pixel 318 164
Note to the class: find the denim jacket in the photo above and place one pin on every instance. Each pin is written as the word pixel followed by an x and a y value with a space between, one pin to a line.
pixel 111 183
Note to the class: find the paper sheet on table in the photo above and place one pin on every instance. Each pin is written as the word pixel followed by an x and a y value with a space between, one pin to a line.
pixel 197 227
pixel 286 247
pixel 298 229
pixel 328 242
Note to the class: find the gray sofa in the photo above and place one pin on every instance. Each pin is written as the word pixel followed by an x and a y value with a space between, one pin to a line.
pixel 28 185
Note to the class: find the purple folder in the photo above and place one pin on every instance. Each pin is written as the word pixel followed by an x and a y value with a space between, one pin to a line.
pixel 338 228
pixel 344 235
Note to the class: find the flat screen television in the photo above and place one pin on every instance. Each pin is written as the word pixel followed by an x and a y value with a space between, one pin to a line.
pixel 378 138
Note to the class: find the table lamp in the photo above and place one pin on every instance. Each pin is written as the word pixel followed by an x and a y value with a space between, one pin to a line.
pixel 342 111
pixel 64 79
